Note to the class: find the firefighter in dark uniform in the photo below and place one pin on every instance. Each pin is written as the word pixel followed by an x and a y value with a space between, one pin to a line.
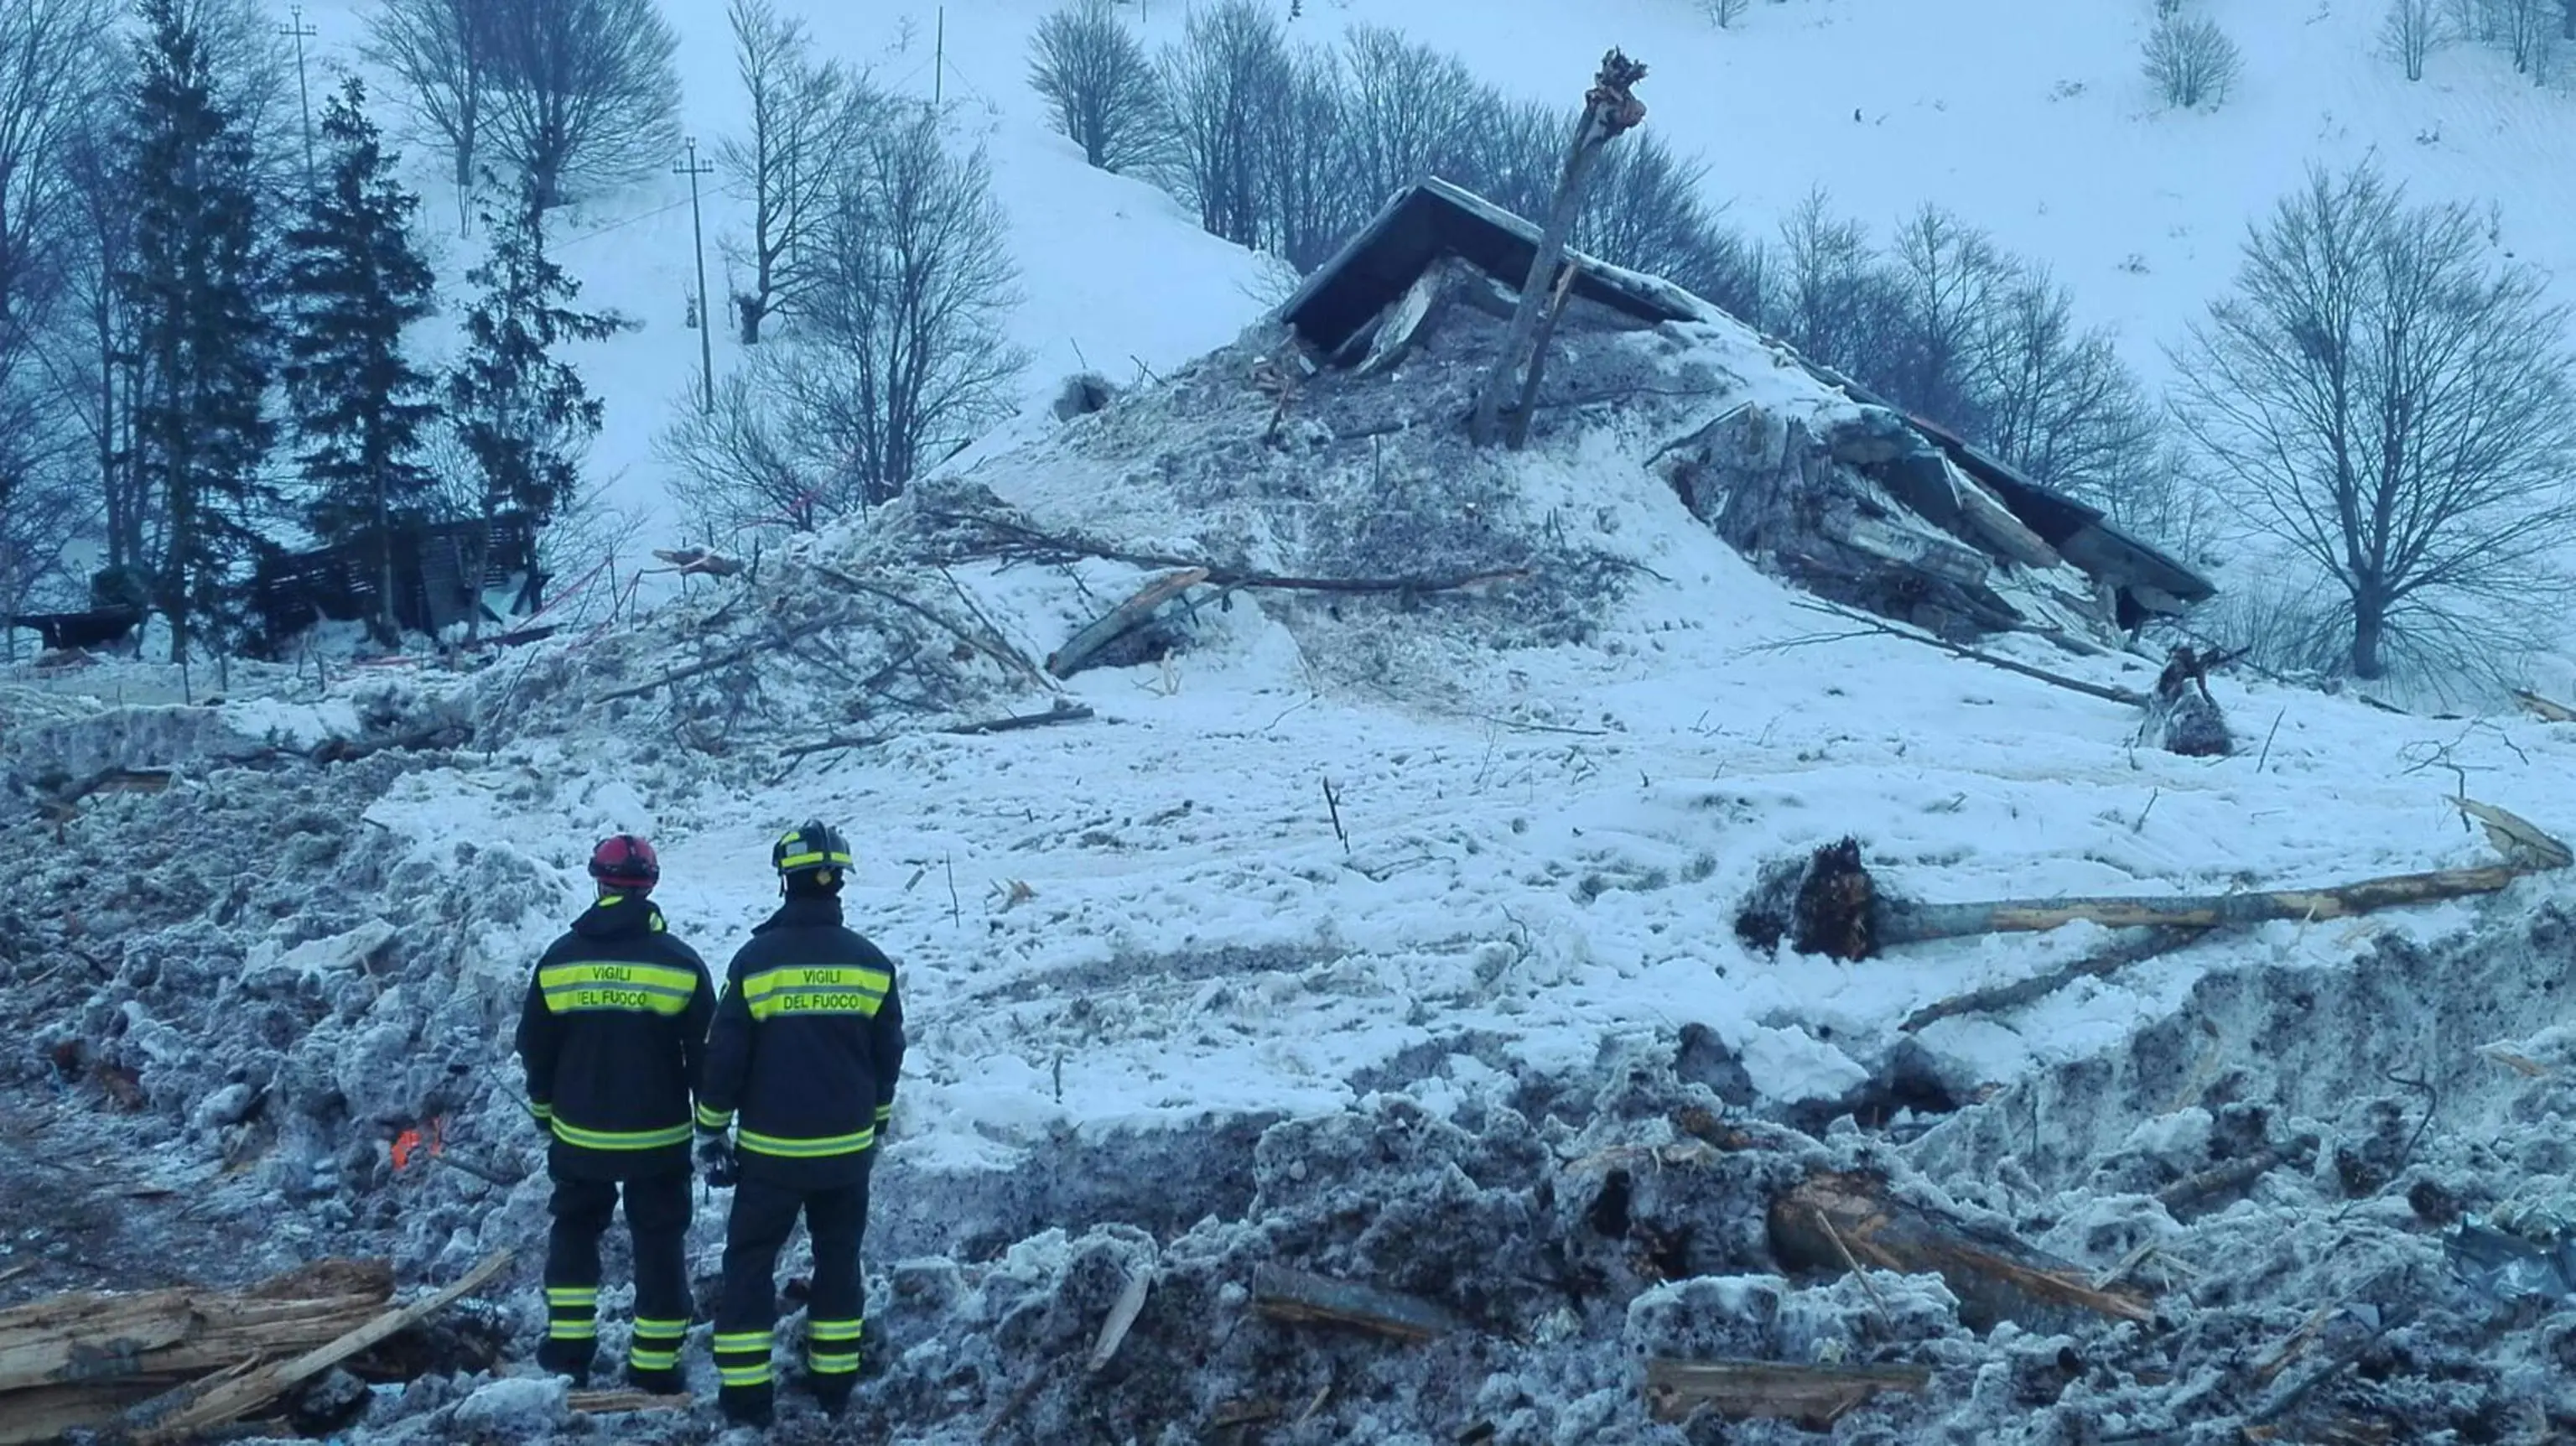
pixel 806 1048
pixel 616 1016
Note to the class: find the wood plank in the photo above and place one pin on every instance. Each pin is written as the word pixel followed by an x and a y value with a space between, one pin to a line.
pixel 1813 1396
pixel 1301 1298
pixel 612 1403
pixel 182 1413
pixel 1833 1216
pixel 47 1412
pixel 1903 922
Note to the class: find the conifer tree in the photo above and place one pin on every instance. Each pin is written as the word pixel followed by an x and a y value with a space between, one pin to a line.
pixel 202 345
pixel 354 285
pixel 524 417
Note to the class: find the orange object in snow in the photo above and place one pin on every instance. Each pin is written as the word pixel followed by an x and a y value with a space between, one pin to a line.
pixel 413 1140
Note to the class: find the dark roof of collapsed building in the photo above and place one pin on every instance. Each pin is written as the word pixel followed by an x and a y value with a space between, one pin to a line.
pixel 1334 308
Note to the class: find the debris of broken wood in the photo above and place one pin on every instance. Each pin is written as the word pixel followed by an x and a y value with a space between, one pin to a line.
pixel 1828 903
pixel 80 1360
pixel 1121 621
pixel 1831 1218
pixel 2223 1178
pixel 1062 712
pixel 699 562
pixel 2542 708
pixel 2039 986
pixel 1296 1296
pixel 217 1401
pixel 1869 625
pixel 1812 1396
pixel 2183 714
pixel 1122 1318
pixel 615 1403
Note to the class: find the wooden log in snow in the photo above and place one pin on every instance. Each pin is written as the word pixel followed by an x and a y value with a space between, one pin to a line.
pixel 1121 620
pixel 2546 710
pixel 614 1403
pixel 1812 1396
pixel 1293 1295
pixel 1899 921
pixel 1832 1216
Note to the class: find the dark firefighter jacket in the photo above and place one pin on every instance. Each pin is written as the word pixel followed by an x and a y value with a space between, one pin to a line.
pixel 615 1019
pixel 807 1045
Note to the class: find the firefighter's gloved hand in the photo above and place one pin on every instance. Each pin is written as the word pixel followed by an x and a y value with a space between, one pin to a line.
pixel 715 1158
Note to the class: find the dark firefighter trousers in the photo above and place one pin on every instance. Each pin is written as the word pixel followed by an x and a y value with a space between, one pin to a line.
pixel 764 1214
pixel 657 1220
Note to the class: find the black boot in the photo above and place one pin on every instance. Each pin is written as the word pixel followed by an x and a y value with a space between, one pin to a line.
pixel 746 1405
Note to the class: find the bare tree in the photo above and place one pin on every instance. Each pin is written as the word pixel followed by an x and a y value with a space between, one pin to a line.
pixel 2523 28
pixel 805 116
pixel 439 54
pixel 903 358
pixel 735 468
pixel 1408 111
pixel 2056 400
pixel 1308 204
pixel 583 91
pixel 1837 303
pixel 2397 410
pixel 1098 83
pixel 2191 62
pixel 53 69
pixel 1723 13
pixel 1226 86
pixel 1949 278
pixel 1514 152
pixel 2413 30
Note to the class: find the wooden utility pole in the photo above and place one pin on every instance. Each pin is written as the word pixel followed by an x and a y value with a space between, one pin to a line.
pixel 939 59
pixel 1609 108
pixel 296 28
pixel 694 168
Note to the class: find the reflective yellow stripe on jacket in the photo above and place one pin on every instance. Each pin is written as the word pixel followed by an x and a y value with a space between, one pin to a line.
pixel 816 989
pixel 620 1139
pixel 786 1149
pixel 650 988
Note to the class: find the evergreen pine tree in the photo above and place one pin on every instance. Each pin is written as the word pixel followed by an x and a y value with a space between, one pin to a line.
pixel 524 417
pixel 201 343
pixel 354 284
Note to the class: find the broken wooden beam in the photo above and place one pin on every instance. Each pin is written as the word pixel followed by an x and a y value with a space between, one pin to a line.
pixel 613 1403
pixel 1122 1318
pixel 173 1335
pixel 2019 992
pixel 1812 1396
pixel 1300 1298
pixel 1121 620
pixel 207 1404
pixel 1062 712
pixel 2218 1179
pixel 1833 1216
pixel 2544 709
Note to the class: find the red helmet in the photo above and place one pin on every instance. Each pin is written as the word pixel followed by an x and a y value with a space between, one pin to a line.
pixel 625 862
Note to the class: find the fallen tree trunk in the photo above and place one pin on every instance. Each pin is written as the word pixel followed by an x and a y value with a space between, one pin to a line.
pixel 2040 986
pixel 1902 922
pixel 201 1407
pixel 1121 620
pixel 1295 1296
pixel 2218 1179
pixel 2544 709
pixel 1062 712
pixel 1832 1217
pixel 1813 1396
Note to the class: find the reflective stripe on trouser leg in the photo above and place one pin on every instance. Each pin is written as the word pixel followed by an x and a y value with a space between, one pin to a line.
pixel 656 1344
pixel 832 1346
pixel 742 1359
pixel 572 1312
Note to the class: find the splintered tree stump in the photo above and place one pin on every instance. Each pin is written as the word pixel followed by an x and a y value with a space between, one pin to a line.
pixel 1293 1295
pixel 2185 716
pixel 1813 1396
pixel 1833 1220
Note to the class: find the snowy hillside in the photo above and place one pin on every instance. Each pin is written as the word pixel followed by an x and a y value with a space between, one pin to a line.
pixel 2034 124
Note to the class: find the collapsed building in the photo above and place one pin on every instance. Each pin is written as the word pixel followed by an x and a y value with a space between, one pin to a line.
pixel 1878 508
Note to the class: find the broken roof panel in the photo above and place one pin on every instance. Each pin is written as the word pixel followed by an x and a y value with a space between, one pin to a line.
pixel 1432 218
